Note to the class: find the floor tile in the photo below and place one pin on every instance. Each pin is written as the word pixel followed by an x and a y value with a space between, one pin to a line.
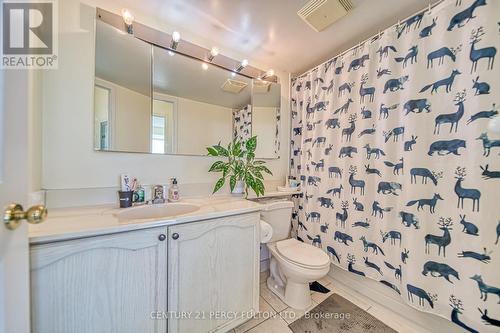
pixel 274 325
pixel 266 312
pixel 320 297
pixel 263 276
pixel 290 315
pixel 273 300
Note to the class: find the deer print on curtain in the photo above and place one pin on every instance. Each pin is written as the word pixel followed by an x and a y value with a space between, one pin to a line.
pixel 400 174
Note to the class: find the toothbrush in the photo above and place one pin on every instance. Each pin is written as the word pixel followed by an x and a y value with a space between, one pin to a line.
pixel 134 185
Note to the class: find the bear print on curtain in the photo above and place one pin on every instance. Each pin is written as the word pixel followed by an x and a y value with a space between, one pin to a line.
pixel 400 174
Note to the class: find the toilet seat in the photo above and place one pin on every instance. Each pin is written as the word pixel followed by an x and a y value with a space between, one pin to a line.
pixel 302 254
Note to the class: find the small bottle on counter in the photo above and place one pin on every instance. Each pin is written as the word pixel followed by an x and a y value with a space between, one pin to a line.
pixel 173 191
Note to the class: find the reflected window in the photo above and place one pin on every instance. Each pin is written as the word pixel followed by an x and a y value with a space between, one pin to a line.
pixel 162 127
pixel 102 108
pixel 158 137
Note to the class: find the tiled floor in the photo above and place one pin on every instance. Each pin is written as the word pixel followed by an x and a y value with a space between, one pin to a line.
pixel 275 315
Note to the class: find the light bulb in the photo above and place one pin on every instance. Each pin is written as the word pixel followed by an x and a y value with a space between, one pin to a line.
pixel 233 74
pixel 171 53
pixel 204 66
pixel 270 73
pixel 244 63
pixel 128 17
pixel 214 51
pixel 176 36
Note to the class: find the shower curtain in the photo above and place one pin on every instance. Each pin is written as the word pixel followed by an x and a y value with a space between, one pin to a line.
pixel 400 174
pixel 242 123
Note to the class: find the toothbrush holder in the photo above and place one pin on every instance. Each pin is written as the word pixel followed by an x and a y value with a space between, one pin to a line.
pixel 125 198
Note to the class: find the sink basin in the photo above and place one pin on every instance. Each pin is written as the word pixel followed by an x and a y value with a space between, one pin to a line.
pixel 157 211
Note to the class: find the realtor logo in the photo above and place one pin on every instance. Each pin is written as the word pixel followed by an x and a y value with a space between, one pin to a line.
pixel 29 38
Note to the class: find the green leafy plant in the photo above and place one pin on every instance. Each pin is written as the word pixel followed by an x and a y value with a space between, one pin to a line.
pixel 240 165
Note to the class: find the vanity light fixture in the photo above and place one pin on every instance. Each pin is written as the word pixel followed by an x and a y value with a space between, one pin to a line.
pixel 204 66
pixel 214 52
pixel 268 74
pixel 176 37
pixel 128 19
pixel 244 63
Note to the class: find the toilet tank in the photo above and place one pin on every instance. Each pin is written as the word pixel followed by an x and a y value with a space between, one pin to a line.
pixel 278 213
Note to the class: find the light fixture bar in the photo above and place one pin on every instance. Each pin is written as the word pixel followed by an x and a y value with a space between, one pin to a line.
pixel 243 64
pixel 176 37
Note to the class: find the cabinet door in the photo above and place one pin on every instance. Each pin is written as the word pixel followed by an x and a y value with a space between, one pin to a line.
pixel 112 283
pixel 213 267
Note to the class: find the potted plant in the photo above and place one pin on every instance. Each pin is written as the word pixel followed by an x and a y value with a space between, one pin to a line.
pixel 240 167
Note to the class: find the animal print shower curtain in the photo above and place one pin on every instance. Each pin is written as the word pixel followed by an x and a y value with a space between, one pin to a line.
pixel 400 173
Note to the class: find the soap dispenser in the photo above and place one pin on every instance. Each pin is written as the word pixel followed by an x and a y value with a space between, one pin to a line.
pixel 173 192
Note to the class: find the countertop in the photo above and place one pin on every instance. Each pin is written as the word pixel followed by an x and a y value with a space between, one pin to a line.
pixel 70 223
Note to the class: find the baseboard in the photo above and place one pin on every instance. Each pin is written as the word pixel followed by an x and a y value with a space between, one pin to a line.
pixel 388 308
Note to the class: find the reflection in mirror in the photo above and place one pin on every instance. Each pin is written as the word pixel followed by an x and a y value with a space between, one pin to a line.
pixel 193 105
pixel 122 91
pixel 148 99
pixel 266 116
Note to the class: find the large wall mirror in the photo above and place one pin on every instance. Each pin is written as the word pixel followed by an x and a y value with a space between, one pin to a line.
pixel 151 100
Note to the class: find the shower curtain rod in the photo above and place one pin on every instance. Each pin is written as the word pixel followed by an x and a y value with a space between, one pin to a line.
pixel 380 33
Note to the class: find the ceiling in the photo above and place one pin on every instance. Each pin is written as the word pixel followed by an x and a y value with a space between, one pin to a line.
pixel 269 31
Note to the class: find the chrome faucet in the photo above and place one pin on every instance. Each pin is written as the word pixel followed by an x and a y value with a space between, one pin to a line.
pixel 158 195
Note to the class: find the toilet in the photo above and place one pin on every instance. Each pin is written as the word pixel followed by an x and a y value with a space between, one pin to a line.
pixel 293 264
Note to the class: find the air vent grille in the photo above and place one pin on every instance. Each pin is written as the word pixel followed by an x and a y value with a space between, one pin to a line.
pixel 233 86
pixel 347 4
pixel 320 14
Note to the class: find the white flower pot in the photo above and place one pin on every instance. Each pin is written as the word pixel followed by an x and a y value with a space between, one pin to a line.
pixel 239 188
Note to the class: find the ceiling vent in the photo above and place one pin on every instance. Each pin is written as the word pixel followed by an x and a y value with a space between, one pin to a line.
pixel 233 86
pixel 261 87
pixel 320 14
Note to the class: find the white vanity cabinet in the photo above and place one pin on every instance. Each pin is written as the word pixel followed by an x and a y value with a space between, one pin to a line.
pixel 119 282
pixel 213 273
pixel 101 284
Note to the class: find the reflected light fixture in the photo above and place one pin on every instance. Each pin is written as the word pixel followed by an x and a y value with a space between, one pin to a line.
pixel 171 53
pixel 213 53
pixel 176 37
pixel 204 66
pixel 244 63
pixel 268 74
pixel 128 19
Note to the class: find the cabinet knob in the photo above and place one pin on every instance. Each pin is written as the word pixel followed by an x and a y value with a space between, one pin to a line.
pixel 162 237
pixel 175 235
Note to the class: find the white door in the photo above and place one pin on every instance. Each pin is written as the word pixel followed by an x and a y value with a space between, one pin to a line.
pixel 14 265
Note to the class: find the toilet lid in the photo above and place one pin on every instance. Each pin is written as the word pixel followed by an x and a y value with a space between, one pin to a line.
pixel 302 253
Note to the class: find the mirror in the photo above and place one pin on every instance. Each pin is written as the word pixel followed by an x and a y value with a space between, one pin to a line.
pixel 266 104
pixel 122 91
pixel 152 100
pixel 194 106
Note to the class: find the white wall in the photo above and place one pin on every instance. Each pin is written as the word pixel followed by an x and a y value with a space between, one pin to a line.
pixel 69 160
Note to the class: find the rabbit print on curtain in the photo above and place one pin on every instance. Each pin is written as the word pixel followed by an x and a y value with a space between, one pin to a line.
pixel 400 173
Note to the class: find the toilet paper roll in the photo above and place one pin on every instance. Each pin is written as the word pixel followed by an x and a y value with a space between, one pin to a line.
pixel 266 232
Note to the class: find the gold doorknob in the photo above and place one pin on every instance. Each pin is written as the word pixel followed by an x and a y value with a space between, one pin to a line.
pixel 14 214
